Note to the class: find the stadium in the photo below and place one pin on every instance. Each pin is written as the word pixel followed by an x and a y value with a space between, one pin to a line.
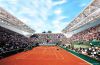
pixel 77 44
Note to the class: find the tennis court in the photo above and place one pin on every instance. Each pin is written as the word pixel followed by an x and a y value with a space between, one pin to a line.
pixel 44 55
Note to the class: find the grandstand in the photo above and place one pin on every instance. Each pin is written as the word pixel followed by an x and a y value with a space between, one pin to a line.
pixel 78 44
pixel 84 30
pixel 86 26
pixel 11 22
pixel 47 38
pixel 89 17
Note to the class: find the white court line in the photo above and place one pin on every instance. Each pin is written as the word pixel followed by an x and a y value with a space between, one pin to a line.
pixel 55 54
pixel 81 59
pixel 24 56
pixel 62 57
pixel 44 52
pixel 78 57
pixel 59 55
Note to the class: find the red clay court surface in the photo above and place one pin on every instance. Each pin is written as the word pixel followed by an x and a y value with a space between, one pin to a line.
pixel 44 55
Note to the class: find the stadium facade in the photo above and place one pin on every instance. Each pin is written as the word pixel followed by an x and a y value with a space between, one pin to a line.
pixel 89 17
pixel 9 21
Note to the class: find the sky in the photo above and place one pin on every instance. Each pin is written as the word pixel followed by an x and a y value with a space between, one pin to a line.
pixel 45 15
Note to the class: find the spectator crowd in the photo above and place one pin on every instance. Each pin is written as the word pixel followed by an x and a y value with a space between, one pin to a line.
pixel 47 38
pixel 93 52
pixel 88 35
pixel 12 41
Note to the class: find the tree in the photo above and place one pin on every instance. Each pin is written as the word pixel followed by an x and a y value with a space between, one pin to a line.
pixel 34 36
pixel 44 32
pixel 49 31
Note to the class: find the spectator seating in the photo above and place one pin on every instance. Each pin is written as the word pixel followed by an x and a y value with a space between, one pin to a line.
pixel 12 42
